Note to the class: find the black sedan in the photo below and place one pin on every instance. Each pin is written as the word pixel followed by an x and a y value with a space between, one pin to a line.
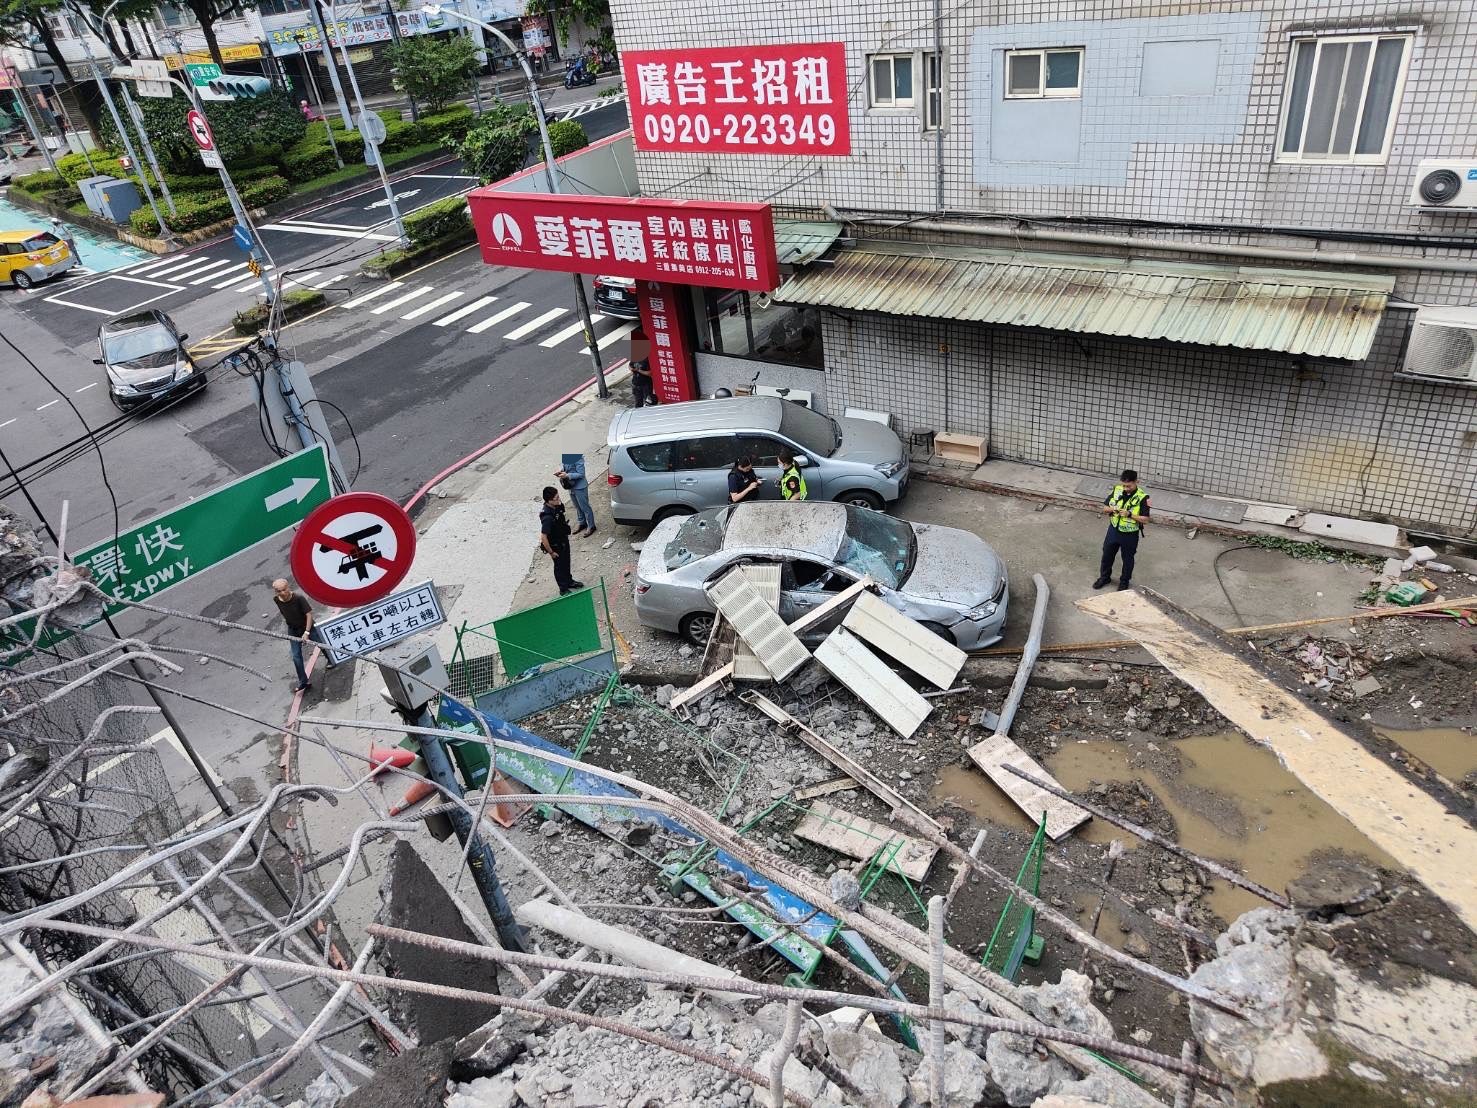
pixel 617 296
pixel 145 356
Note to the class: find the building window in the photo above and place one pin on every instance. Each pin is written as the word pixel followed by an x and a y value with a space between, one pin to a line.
pixel 1038 74
pixel 933 91
pixel 744 326
pixel 1342 96
pixel 892 80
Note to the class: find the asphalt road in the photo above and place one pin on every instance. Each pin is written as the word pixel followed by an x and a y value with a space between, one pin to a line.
pixel 425 370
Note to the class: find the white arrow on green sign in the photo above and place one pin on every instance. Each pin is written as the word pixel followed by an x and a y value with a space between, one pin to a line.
pixel 177 545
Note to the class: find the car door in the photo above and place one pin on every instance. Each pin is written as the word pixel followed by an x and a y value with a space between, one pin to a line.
pixel 9 258
pixel 765 450
pixel 805 585
pixel 702 463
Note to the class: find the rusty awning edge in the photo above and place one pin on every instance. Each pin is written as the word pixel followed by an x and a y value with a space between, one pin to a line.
pixel 1313 313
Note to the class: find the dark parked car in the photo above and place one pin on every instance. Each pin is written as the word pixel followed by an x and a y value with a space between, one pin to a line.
pixel 145 356
pixel 617 296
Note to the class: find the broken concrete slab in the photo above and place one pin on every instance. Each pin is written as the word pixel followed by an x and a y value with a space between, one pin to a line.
pixel 1385 535
pixel 995 753
pixel 1396 812
pixel 861 838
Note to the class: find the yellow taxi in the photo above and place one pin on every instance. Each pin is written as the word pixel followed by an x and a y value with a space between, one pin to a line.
pixel 30 256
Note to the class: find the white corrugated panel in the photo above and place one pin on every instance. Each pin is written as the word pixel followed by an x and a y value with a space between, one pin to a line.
pixel 759 625
pixel 746 664
pixel 848 660
pixel 899 637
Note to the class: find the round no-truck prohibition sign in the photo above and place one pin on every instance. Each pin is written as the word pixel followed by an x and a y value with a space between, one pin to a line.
pixel 353 549
pixel 199 130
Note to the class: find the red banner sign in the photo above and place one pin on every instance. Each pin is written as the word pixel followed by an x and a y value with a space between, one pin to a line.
pixel 673 376
pixel 692 242
pixel 788 98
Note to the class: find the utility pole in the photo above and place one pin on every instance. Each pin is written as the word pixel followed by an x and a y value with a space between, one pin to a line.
pixel 31 126
pixel 338 89
pixel 551 174
pixel 394 19
pixel 371 138
pixel 137 115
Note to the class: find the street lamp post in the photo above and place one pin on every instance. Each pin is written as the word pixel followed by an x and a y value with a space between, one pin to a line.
pixel 550 173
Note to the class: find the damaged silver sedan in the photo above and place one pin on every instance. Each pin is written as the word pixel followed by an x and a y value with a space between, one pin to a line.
pixel 949 580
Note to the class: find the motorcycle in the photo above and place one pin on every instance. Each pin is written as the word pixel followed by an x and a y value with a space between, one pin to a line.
pixel 577 76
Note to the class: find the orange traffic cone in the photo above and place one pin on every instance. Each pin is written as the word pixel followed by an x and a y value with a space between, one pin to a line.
pixel 382 757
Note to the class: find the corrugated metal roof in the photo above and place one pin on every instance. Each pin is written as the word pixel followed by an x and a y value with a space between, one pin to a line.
pixel 801 241
pixel 1312 312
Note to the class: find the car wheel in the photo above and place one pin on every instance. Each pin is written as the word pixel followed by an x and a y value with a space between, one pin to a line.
pixel 672 510
pixel 861 498
pixel 696 627
pixel 21 279
pixel 940 630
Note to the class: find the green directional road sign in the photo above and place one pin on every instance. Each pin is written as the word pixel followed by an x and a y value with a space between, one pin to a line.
pixel 202 73
pixel 176 546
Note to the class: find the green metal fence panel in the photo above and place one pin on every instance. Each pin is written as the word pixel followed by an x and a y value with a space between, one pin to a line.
pixel 1017 922
pixel 561 628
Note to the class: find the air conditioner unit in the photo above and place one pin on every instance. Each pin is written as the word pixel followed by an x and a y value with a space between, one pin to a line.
pixel 1446 184
pixel 1443 345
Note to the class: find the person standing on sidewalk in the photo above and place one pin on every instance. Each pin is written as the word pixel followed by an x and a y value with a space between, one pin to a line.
pixel 572 476
pixel 643 390
pixel 1127 509
pixel 299 619
pixel 554 538
pixel 792 482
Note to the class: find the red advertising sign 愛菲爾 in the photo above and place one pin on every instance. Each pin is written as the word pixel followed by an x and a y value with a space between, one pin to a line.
pixel 670 358
pixel 690 242
pixel 786 98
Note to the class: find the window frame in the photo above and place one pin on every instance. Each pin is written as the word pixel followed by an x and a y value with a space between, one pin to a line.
pixel 893 104
pixel 1042 92
pixel 926 62
pixel 1352 158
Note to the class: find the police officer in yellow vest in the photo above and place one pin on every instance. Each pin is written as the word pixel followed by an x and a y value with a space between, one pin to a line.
pixel 1127 509
pixel 792 482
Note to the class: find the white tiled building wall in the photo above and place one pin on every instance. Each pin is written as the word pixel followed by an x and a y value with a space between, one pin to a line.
pixel 1343 438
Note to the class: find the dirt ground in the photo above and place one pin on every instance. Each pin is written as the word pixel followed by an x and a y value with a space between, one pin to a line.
pixel 1124 735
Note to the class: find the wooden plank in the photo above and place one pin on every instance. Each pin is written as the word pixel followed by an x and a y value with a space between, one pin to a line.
pixel 701 689
pixel 862 838
pixel 748 666
pixel 1405 821
pixel 848 660
pixel 1062 816
pixel 825 788
pixel 758 625
pixel 905 640
pixel 841 761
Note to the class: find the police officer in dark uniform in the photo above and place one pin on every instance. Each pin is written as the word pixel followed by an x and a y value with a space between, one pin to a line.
pixel 1127 509
pixel 554 539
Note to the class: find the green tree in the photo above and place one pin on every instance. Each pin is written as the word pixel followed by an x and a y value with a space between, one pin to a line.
pixel 241 127
pixel 594 14
pixel 497 145
pixel 567 136
pixel 435 69
pixel 24 21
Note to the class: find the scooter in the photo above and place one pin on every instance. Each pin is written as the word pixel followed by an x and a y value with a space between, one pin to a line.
pixel 577 76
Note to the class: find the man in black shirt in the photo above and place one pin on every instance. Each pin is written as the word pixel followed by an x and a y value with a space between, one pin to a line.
pixel 743 482
pixel 554 539
pixel 299 619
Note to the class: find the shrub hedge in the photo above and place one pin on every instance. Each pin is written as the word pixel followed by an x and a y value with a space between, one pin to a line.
pixel 43 182
pixel 567 136
pixel 193 212
pixel 438 220
pixel 447 127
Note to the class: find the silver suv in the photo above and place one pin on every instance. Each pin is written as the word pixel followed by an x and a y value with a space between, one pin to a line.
pixel 674 459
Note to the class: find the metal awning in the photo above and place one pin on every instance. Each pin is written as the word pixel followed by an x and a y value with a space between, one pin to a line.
pixel 800 242
pixel 1317 313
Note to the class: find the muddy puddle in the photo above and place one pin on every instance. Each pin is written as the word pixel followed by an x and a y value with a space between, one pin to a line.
pixel 1230 799
pixel 1449 751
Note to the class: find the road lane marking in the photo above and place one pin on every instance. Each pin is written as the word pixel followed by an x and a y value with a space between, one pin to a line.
pixel 329 282
pixel 415 294
pixel 496 318
pixel 534 324
pixel 331 232
pixel 7 423
pixel 304 279
pixel 150 267
pixel 48 404
pixel 193 268
pixel 234 280
pixel 368 296
pixel 573 329
pixel 84 388
pixel 432 306
pixel 615 336
pixel 465 310
pixel 216 276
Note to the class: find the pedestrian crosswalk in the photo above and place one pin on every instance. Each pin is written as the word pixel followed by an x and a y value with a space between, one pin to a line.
pixel 223 273
pixel 574 111
pixel 510 320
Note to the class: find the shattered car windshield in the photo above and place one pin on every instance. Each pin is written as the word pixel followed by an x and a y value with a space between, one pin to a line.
pixel 701 534
pixel 879 546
